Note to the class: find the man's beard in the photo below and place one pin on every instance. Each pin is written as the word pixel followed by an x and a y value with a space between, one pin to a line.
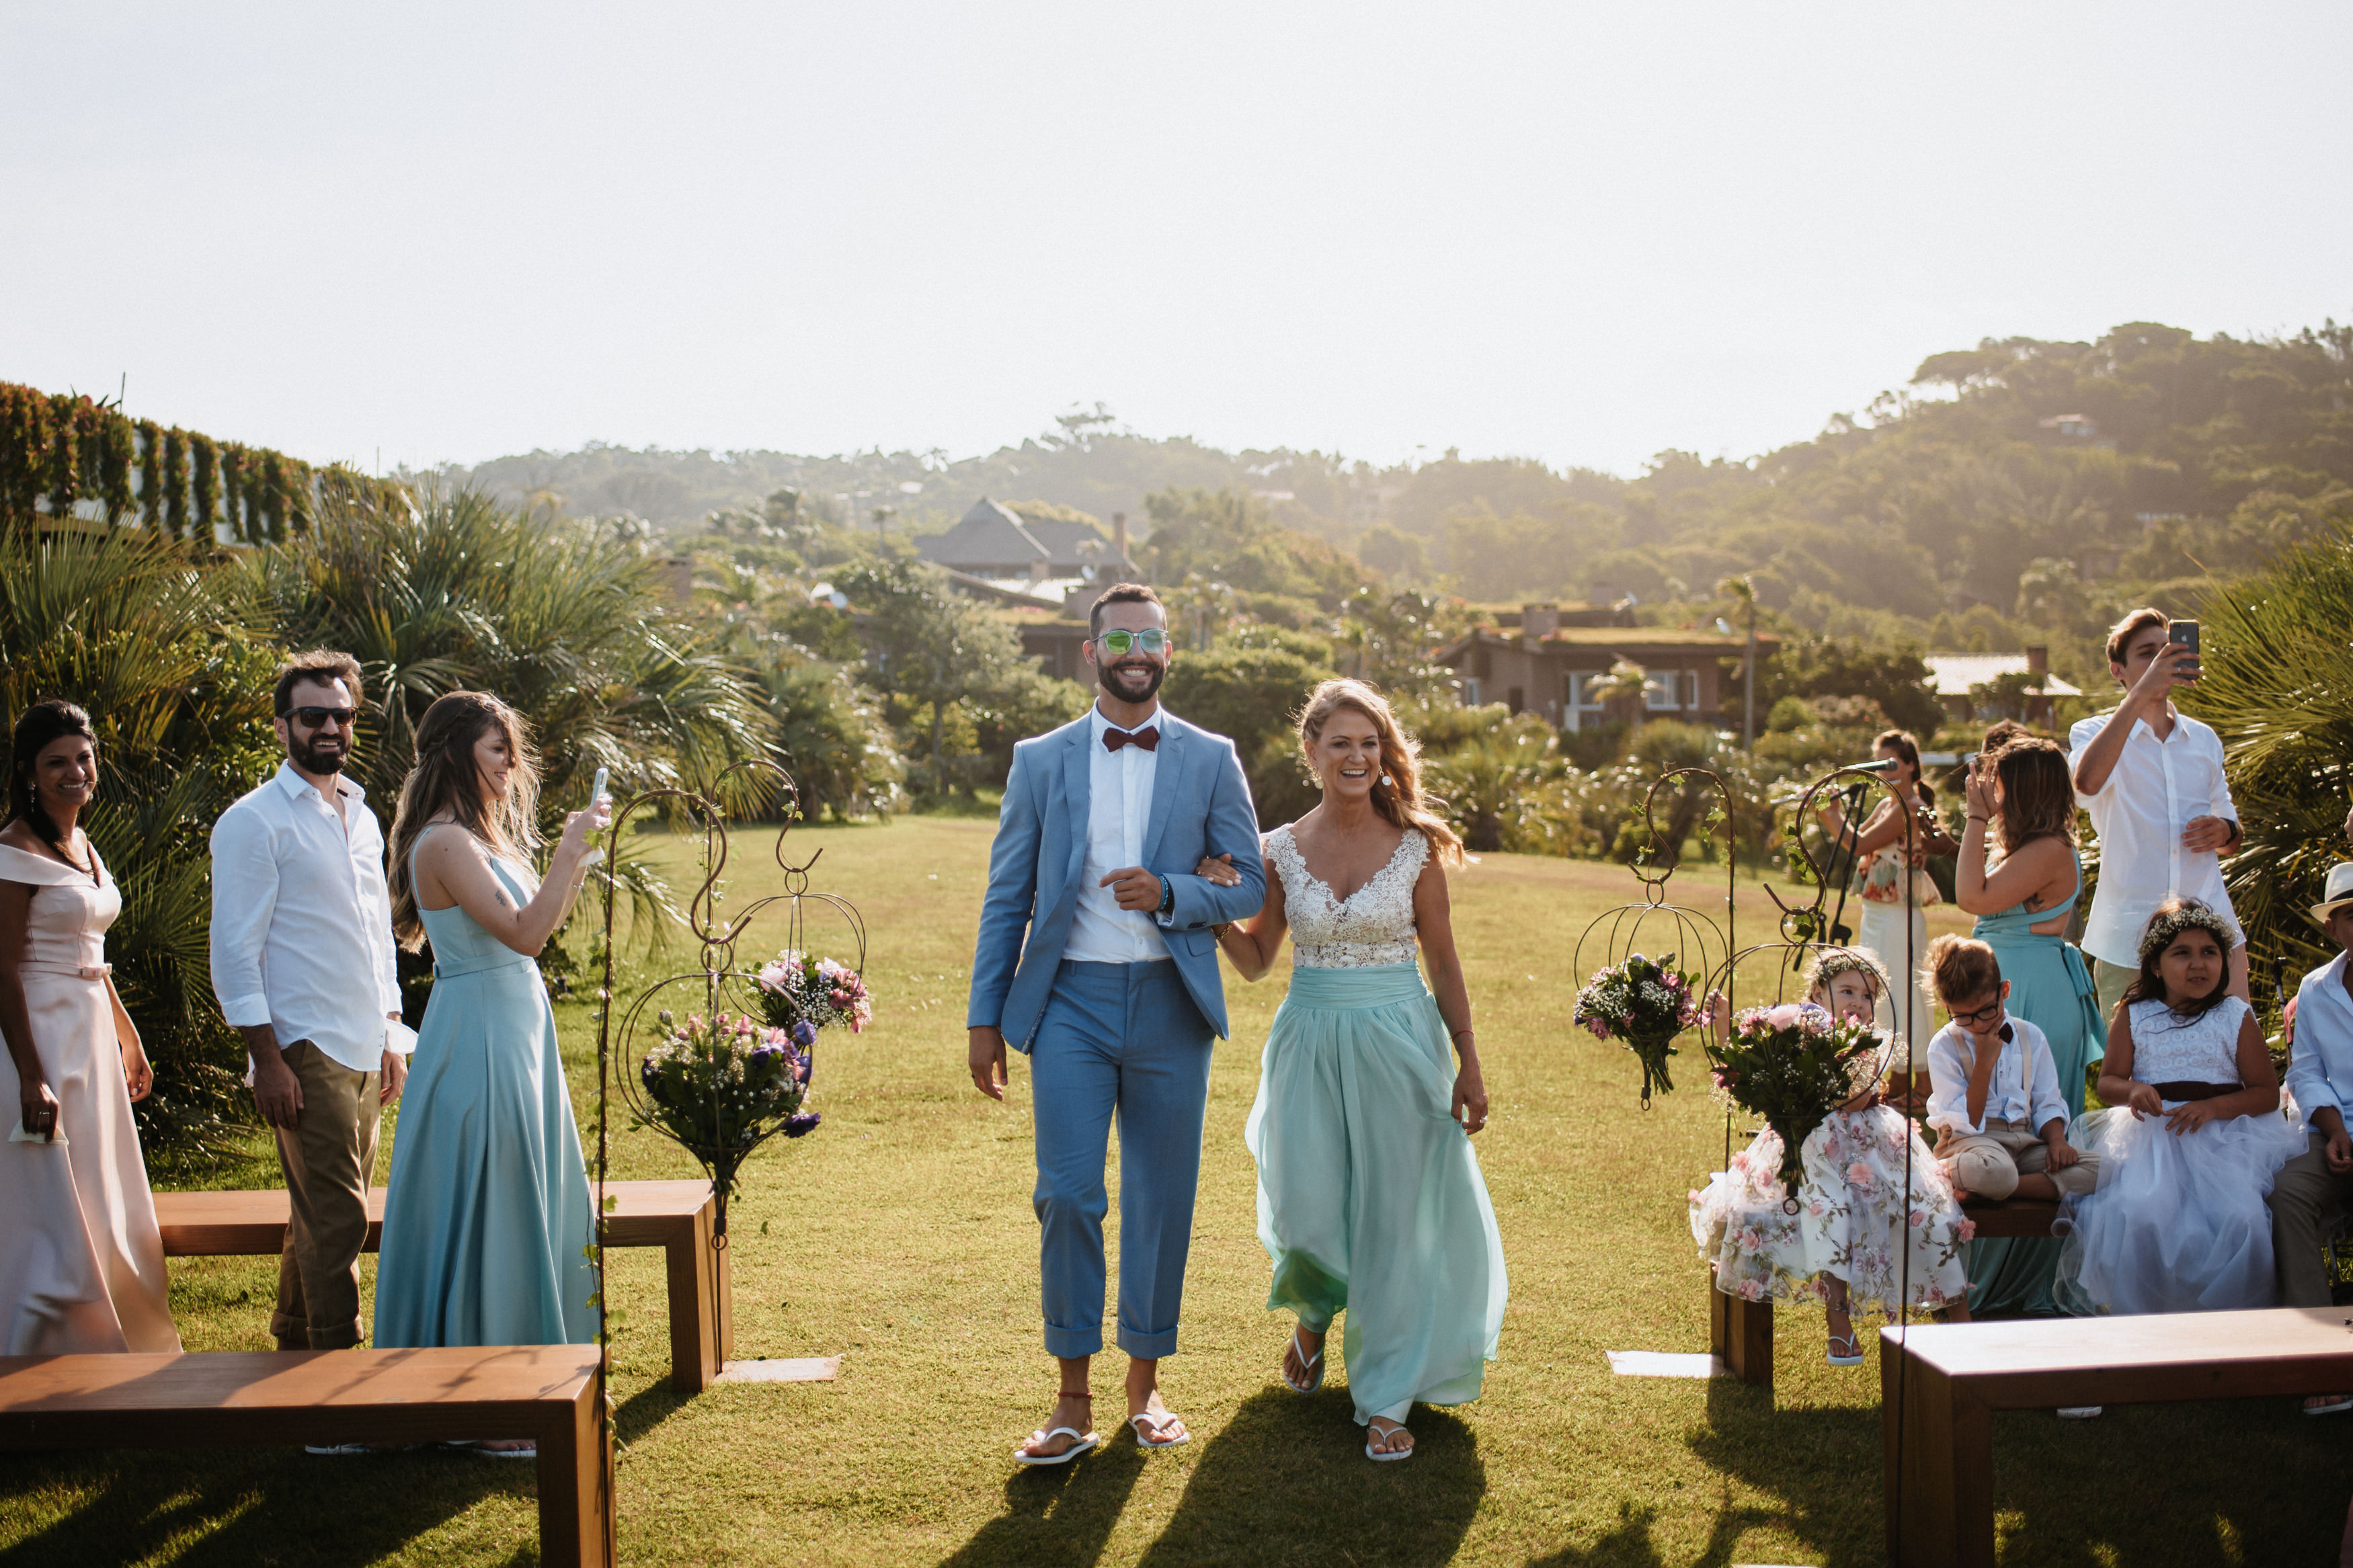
pixel 311 760
pixel 1106 674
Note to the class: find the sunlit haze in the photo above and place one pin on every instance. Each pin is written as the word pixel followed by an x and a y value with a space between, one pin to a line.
pixel 1577 232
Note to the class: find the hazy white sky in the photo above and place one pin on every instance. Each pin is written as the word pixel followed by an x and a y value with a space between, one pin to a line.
pixel 1582 232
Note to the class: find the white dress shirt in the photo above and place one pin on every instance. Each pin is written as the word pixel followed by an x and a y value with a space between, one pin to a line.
pixel 2320 1065
pixel 1119 807
pixel 303 921
pixel 2025 1086
pixel 2139 813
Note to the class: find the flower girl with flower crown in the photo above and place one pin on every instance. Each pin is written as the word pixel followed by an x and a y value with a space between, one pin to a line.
pixel 1853 1214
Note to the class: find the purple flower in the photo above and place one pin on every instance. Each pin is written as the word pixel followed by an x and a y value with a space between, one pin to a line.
pixel 804 1034
pixel 802 1125
pixel 801 1066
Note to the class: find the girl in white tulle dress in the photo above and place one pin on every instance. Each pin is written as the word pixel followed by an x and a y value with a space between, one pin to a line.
pixel 2189 1143
pixel 1854 1217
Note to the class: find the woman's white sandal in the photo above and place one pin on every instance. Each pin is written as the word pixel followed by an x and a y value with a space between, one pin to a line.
pixel 1394 1428
pixel 1853 1343
pixel 1145 1439
pixel 1083 1441
pixel 1312 1364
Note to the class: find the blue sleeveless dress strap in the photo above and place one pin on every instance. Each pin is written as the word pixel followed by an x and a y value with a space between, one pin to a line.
pixel 488 1207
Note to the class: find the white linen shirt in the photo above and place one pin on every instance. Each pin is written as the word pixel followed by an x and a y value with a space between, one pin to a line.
pixel 2139 815
pixel 2320 1065
pixel 1118 808
pixel 2025 1086
pixel 302 920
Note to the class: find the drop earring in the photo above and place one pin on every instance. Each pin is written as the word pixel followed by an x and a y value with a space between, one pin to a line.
pixel 1384 781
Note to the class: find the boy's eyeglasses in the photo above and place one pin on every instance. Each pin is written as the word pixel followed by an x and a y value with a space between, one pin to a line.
pixel 1979 1018
pixel 316 718
pixel 1119 645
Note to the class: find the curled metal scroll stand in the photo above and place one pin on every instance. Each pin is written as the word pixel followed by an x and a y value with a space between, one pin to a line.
pixel 720 977
pixel 1697 936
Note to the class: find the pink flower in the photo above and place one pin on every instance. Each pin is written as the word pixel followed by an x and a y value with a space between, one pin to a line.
pixel 1750 1290
pixel 1816 1208
pixel 1740 1160
pixel 1783 1016
pixel 1859 1173
pixel 1967 1229
pixel 1919 1219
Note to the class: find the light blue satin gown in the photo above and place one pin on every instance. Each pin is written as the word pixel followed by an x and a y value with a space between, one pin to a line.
pixel 1369 1197
pixel 2049 987
pixel 487 1208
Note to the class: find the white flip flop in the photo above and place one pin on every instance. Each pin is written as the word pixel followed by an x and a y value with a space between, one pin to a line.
pixel 1394 1454
pixel 1145 1439
pixel 1086 1440
pixel 1314 1363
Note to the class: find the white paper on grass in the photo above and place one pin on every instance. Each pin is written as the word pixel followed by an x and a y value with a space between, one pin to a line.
pixel 1666 1363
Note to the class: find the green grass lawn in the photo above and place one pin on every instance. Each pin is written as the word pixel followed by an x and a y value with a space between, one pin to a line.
pixel 899 1236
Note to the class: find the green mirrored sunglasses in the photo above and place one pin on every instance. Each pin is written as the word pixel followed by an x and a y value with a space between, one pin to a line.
pixel 1120 643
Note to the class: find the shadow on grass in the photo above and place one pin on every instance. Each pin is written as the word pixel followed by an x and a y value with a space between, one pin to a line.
pixel 2224 1482
pixel 233 1508
pixel 1057 1516
pixel 1287 1481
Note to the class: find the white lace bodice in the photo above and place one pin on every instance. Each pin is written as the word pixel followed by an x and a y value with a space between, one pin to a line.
pixel 2204 1051
pixel 1372 925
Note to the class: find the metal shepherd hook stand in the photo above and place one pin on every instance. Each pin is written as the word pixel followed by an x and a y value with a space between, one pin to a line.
pixel 722 981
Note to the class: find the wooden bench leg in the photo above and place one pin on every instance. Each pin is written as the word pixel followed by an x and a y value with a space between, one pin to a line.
pixel 701 1306
pixel 1941 1513
pixel 1740 1332
pixel 575 1491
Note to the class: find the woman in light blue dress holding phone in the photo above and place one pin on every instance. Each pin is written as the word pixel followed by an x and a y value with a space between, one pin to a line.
pixel 1369 1198
pixel 488 1209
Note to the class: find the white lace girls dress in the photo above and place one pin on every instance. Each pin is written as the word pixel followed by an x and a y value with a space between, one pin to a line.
pixel 1369 1197
pixel 2179 1223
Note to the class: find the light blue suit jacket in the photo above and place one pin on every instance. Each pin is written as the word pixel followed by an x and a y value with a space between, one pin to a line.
pixel 1200 807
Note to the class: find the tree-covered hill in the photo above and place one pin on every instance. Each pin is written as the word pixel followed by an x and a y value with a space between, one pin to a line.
pixel 2020 489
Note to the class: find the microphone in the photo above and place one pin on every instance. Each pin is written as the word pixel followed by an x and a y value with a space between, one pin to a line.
pixel 1883 766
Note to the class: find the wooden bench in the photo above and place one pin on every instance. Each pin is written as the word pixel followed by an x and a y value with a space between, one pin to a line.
pixel 677 1216
pixel 256 1398
pixel 1941 1383
pixel 1740 1332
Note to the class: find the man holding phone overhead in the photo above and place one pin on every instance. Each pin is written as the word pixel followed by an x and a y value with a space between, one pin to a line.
pixel 2152 778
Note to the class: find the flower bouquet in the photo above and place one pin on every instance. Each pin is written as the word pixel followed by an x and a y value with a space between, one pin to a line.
pixel 724 1085
pixel 1646 1002
pixel 1793 1065
pixel 797 988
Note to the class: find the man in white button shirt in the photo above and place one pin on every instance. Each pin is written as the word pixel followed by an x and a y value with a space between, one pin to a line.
pixel 303 964
pixel 2151 776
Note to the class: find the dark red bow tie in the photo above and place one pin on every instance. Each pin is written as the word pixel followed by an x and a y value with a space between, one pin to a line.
pixel 1149 738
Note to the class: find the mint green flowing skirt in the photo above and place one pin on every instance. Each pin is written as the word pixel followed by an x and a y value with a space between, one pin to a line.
pixel 1369 1197
pixel 2049 987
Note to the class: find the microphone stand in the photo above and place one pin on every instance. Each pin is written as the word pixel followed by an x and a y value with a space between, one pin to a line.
pixel 1842 846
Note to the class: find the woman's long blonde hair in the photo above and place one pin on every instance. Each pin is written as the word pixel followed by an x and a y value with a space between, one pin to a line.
pixel 447 778
pixel 1397 794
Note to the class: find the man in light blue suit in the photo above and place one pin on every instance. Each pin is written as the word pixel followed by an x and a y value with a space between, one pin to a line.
pixel 1098 959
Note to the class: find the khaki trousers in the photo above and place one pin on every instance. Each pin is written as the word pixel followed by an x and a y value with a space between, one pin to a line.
pixel 1988 1163
pixel 2110 979
pixel 328 1158
pixel 2305 1192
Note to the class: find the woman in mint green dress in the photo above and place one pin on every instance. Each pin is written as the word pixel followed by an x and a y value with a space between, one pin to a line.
pixel 2024 797
pixel 1369 1198
pixel 487 1208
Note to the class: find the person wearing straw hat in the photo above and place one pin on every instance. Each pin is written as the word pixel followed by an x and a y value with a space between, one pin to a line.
pixel 2320 1077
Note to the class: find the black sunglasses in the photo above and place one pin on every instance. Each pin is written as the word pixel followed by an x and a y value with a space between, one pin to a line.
pixel 316 718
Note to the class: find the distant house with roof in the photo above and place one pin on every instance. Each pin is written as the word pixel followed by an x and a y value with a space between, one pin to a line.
pixel 1553 659
pixel 1954 676
pixel 1032 559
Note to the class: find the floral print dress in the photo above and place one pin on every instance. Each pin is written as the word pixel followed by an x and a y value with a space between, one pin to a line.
pixel 1853 1218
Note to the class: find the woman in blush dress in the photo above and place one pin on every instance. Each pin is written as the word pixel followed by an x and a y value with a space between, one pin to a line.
pixel 1369 1197
pixel 81 1261
pixel 487 1212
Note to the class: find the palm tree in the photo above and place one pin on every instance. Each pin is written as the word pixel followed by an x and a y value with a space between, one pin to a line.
pixel 170 662
pixel 2278 686
pixel 1493 785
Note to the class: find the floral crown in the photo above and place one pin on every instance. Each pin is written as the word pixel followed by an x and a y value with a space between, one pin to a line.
pixel 2191 915
pixel 1833 962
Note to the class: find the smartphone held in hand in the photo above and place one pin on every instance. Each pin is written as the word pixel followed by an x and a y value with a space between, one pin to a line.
pixel 2183 635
